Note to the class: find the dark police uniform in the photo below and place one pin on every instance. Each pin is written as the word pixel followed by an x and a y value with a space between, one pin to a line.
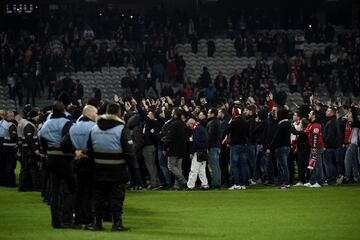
pixel 62 183
pixel 79 136
pixel 28 144
pixel 3 123
pixel 8 136
pixel 111 148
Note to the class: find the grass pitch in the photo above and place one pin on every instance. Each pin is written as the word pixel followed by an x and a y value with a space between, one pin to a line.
pixel 257 213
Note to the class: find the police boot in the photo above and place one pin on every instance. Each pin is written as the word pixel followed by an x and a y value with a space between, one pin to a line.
pixel 96 225
pixel 117 224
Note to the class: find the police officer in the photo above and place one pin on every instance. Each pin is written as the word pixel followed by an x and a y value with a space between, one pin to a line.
pixel 30 152
pixel 79 136
pixel 62 183
pixel 111 147
pixel 3 124
pixel 9 147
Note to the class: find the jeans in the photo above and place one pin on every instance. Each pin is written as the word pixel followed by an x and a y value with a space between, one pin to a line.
pixel 252 161
pixel 316 175
pixel 264 160
pixel 164 167
pixel 303 161
pixel 224 165
pixel 239 165
pixel 282 154
pixel 340 161
pixel 214 166
pixel 351 163
pixel 330 169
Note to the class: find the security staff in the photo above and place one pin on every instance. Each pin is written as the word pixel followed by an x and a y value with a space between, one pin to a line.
pixel 3 124
pixel 111 147
pixel 9 148
pixel 62 183
pixel 30 152
pixel 79 136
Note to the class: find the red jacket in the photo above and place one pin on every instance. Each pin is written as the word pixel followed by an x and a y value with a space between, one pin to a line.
pixel 348 129
pixel 314 132
pixel 315 139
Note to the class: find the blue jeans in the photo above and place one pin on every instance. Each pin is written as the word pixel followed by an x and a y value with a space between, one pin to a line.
pixel 330 169
pixel 263 160
pixel 340 161
pixel 252 161
pixel 281 154
pixel 163 163
pixel 351 162
pixel 316 175
pixel 239 167
pixel 214 166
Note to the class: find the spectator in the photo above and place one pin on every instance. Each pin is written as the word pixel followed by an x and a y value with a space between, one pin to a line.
pixel 281 145
pixel 238 131
pixel 211 47
pixel 332 144
pixel 221 83
pixel 175 147
pixel 213 131
pixel 151 131
pixel 79 90
pixel 292 78
pixel 198 154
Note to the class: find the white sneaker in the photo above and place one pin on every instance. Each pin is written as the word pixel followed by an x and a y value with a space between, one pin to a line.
pixel 340 180
pixel 252 182
pixel 243 187
pixel 299 184
pixel 316 185
pixel 235 187
pixel 307 184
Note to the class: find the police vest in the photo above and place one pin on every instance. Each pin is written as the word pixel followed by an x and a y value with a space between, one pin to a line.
pixel 4 133
pixel 79 134
pixel 52 132
pixel 107 146
pixel 21 135
pixel 3 128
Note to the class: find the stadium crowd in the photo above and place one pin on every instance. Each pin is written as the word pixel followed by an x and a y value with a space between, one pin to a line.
pixel 232 134
pixel 29 64
pixel 68 151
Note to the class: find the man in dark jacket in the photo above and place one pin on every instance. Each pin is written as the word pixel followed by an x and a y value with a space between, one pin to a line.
pixel 151 131
pixel 259 135
pixel 332 144
pixel 214 138
pixel 250 114
pixel 224 118
pixel 198 154
pixel 133 123
pixel 238 131
pixel 271 128
pixel 111 147
pixel 175 146
pixel 281 144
